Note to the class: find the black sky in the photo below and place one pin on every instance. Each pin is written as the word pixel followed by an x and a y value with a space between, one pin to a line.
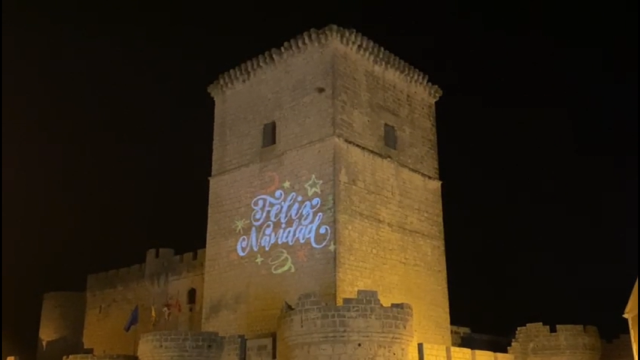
pixel 107 131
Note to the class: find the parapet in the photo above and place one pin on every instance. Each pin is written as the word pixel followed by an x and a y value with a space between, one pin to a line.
pixel 348 38
pixel 166 345
pixel 618 349
pixel 312 329
pixel 159 262
pixel 537 341
pixel 100 357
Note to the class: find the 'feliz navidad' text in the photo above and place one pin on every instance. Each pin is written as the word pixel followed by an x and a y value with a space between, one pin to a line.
pixel 303 217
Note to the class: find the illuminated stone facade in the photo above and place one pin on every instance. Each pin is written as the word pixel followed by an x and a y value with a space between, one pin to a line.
pixel 325 234
pixel 631 314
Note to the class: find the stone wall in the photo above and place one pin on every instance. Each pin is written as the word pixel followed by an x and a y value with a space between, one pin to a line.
pixel 567 342
pixel 61 325
pixel 359 329
pixel 247 286
pixel 617 349
pixel 440 352
pixel 169 345
pixel 389 205
pixel 391 238
pixel 262 348
pixel 165 279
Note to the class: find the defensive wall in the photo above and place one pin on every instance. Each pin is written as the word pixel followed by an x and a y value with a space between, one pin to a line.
pixel 360 328
pixel 538 341
pixel 356 329
pixel 95 320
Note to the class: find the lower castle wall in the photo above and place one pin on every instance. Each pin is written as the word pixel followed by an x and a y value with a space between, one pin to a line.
pixel 169 345
pixel 439 352
pixel 111 298
pixel 360 329
pixel 568 342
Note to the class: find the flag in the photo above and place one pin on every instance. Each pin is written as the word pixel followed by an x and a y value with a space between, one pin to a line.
pixel 133 319
pixel 153 315
pixel 167 311
pixel 178 306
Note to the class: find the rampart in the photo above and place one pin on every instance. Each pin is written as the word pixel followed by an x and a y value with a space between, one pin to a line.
pixel 158 262
pixel 166 289
pixel 361 328
pixel 567 342
pixel 61 325
pixel 618 349
pixel 167 345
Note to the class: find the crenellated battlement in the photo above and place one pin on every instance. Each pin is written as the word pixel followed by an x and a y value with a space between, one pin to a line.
pixel 347 37
pixel 360 325
pixel 538 341
pixel 158 262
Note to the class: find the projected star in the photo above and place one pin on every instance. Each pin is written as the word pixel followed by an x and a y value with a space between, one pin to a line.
pixel 332 247
pixel 239 225
pixel 259 259
pixel 286 184
pixel 313 186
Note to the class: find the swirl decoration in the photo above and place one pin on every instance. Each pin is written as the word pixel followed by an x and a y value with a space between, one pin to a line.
pixel 281 262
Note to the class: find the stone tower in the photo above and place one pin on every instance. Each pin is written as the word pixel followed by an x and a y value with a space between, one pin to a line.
pixel 324 179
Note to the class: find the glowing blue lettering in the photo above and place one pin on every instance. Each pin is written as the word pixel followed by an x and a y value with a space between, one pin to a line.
pixel 299 222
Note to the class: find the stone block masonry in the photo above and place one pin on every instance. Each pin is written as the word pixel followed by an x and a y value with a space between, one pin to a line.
pixel 331 94
pixel 163 280
pixel 168 345
pixel 567 342
pixel 361 328
pixel 439 352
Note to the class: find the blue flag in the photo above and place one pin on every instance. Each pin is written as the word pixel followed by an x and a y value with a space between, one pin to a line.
pixel 133 319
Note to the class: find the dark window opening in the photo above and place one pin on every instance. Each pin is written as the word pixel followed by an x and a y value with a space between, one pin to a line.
pixel 390 138
pixel 269 134
pixel 191 299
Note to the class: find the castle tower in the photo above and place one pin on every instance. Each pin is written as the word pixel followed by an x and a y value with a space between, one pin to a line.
pixel 61 325
pixel 324 179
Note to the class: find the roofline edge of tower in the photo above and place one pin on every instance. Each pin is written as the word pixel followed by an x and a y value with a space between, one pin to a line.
pixel 347 37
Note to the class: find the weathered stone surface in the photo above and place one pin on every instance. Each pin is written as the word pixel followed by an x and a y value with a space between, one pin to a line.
pixel 568 342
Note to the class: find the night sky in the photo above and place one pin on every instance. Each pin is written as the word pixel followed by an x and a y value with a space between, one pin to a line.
pixel 107 136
